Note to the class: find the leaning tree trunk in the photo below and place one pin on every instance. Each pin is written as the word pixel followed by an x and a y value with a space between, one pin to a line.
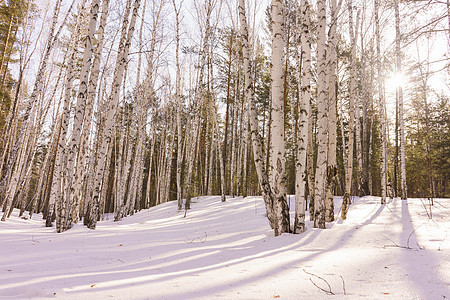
pixel 255 138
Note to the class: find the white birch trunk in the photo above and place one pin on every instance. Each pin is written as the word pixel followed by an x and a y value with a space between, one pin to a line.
pixel 382 105
pixel 404 191
pixel 304 81
pixel 322 123
pixel 277 127
pixel 179 101
pixel 332 78
pixel 233 142
pixel 353 95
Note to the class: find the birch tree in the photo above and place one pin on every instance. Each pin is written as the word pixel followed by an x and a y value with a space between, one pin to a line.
pixel 399 92
pixel 304 62
pixel 332 110
pixel 382 104
pixel 322 107
pixel 352 95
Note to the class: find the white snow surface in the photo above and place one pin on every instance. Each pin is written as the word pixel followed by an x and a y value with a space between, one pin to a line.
pixel 228 251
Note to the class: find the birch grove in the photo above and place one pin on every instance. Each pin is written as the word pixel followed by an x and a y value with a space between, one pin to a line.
pixel 150 101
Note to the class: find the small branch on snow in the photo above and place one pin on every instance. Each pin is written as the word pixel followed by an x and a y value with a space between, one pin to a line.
pixel 343 285
pixel 328 292
pixel 409 236
pixel 200 239
pixel 430 213
pixel 388 207
pixel 439 249
pixel 33 240
pixel 395 245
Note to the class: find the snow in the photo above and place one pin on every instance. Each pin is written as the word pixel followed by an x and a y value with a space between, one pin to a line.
pixel 227 251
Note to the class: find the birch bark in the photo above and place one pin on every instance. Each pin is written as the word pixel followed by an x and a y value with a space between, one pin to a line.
pixel 353 95
pixel 179 101
pixel 331 159
pixel 382 105
pixel 322 108
pixel 404 191
pixel 303 62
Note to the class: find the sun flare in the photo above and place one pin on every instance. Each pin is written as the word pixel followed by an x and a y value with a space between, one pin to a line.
pixel 396 80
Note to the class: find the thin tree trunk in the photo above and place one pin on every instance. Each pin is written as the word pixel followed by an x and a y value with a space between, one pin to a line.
pixel 256 139
pixel 179 101
pixel 404 191
pixel 353 95
pixel 322 108
pixel 332 134
pixel 382 106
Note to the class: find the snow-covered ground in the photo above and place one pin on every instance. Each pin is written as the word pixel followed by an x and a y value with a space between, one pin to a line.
pixel 227 251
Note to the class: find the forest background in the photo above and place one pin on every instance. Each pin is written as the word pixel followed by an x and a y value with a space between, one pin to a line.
pixel 115 106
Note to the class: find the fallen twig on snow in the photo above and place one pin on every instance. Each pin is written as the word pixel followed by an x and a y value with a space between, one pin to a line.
pixel 395 245
pixel 429 214
pixel 440 244
pixel 328 292
pixel 200 239
pixel 343 285
pixel 409 236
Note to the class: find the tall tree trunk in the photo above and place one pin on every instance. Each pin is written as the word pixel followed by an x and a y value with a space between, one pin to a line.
pixel 351 124
pixel 382 105
pixel 303 111
pixel 404 191
pixel 256 139
pixel 277 127
pixel 179 101
pixel 322 108
pixel 332 134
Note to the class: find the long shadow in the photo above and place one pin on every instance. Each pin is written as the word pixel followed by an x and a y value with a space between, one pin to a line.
pixel 240 281
pixel 139 272
pixel 423 273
